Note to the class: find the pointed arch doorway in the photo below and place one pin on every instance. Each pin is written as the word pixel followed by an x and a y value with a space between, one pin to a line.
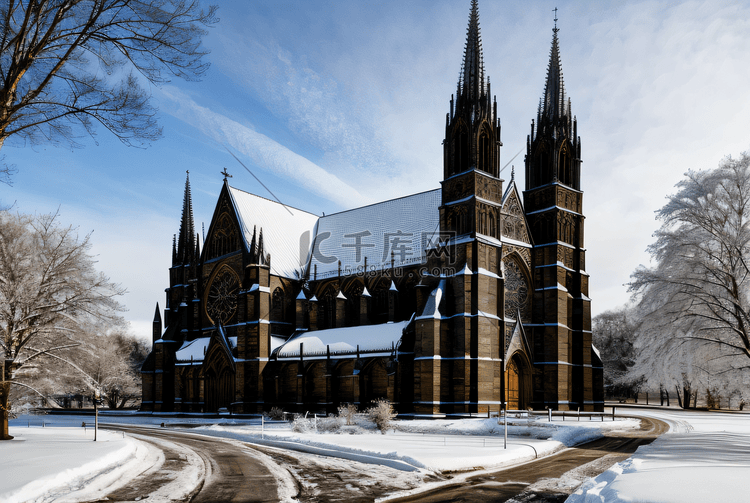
pixel 517 382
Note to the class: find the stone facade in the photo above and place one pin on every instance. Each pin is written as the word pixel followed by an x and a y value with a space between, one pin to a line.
pixel 454 301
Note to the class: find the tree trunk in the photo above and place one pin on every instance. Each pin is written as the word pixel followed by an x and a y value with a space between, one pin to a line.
pixel 4 409
pixel 687 395
pixel 679 397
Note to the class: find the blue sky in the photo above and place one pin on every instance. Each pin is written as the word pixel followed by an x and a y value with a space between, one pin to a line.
pixel 336 104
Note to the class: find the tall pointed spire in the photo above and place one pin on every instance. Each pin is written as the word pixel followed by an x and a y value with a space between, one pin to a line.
pixel 553 149
pixel 472 79
pixel 554 105
pixel 186 240
pixel 472 130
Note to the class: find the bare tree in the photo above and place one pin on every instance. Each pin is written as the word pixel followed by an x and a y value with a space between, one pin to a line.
pixel 66 65
pixel 48 289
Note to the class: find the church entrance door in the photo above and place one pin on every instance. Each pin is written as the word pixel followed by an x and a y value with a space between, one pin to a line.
pixel 512 386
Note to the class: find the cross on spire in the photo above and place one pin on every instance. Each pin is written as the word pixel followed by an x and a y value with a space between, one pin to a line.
pixel 555 29
pixel 226 174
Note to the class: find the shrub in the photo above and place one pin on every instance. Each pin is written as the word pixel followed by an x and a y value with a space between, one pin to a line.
pixel 276 413
pixel 381 414
pixel 300 425
pixel 347 412
pixel 328 424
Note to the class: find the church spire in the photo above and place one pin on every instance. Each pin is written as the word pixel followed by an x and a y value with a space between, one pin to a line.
pixel 186 239
pixel 471 82
pixel 553 148
pixel 553 105
pixel 472 136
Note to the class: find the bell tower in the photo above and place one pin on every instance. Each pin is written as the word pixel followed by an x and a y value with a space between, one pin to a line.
pixel 553 202
pixel 471 149
pixel 458 354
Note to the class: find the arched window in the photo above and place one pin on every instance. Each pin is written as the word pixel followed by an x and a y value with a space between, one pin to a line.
pixel 517 294
pixel 485 153
pixel 462 150
pixel 327 315
pixel 277 305
pixel 564 167
pixel 224 238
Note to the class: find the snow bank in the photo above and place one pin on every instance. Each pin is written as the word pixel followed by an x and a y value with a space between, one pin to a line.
pixel 437 445
pixel 65 463
pixel 682 466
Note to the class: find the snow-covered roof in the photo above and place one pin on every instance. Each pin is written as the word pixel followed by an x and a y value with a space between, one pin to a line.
pixel 370 339
pixel 403 226
pixel 193 350
pixel 283 229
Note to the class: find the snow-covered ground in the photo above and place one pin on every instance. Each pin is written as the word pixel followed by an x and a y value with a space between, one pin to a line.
pixel 53 458
pixel 434 445
pixel 704 457
pixel 65 464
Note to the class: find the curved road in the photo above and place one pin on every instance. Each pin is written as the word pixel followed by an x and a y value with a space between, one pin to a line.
pixel 197 468
pixel 503 485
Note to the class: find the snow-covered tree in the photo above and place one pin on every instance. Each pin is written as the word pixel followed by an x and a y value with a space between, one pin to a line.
pixel 694 304
pixel 66 65
pixel 49 288
pixel 106 359
pixel 613 335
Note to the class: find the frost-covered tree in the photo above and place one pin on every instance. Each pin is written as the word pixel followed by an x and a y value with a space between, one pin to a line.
pixel 67 65
pixel 613 335
pixel 106 359
pixel 49 289
pixel 694 303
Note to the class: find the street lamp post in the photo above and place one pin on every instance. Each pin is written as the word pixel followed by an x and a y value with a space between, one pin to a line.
pixel 97 401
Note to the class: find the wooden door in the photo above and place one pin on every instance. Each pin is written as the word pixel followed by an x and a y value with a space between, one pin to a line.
pixel 512 386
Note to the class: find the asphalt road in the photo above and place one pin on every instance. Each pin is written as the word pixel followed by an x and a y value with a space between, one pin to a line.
pixel 514 482
pixel 218 471
pixel 226 471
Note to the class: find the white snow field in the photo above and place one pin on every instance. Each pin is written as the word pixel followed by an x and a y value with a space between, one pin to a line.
pixel 65 464
pixel 704 457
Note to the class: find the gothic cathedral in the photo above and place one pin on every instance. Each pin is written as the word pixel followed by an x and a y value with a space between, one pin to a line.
pixel 459 300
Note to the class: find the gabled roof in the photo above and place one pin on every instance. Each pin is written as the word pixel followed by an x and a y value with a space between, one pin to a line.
pixel 512 207
pixel 518 343
pixel 404 226
pixel 283 228
pixel 298 241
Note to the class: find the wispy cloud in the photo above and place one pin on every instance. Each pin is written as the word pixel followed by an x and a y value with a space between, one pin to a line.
pixel 262 150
